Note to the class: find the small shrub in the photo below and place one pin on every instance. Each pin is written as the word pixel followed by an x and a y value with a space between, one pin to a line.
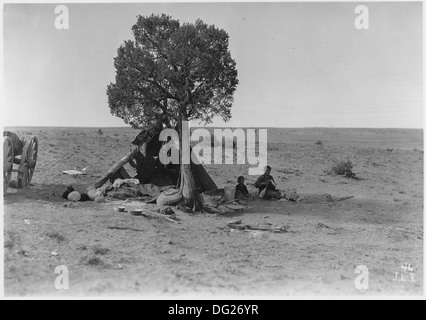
pixel 23 253
pixel 343 168
pixel 272 147
pixel 100 251
pixel 55 236
pixel 8 244
pixel 319 143
pixel 95 261
pixel 11 239
pixel 100 132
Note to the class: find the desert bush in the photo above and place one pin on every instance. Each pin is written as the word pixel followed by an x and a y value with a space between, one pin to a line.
pixel 100 251
pixel 94 261
pixel 273 147
pixel 10 240
pixel 319 143
pixel 55 236
pixel 100 132
pixel 342 167
pixel 297 172
pixel 23 253
pixel 8 244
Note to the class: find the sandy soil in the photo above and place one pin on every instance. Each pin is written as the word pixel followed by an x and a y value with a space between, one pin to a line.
pixel 116 254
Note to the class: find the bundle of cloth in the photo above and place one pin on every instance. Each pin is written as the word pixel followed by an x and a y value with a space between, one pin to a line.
pixel 148 192
pixel 128 188
pixel 72 195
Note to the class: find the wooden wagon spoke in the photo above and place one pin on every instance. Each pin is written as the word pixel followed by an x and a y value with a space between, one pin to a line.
pixel 8 158
pixel 25 157
pixel 32 155
pixel 27 164
pixel 7 154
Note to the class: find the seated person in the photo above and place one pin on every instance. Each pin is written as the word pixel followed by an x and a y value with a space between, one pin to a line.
pixel 241 191
pixel 268 182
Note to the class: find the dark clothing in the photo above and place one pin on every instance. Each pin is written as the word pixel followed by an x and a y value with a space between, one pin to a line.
pixel 241 188
pixel 84 196
pixel 241 191
pixel 67 192
pixel 271 191
pixel 265 178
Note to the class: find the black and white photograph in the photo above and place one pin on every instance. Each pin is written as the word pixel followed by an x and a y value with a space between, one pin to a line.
pixel 212 150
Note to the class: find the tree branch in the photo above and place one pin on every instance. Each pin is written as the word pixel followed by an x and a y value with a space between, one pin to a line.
pixel 154 44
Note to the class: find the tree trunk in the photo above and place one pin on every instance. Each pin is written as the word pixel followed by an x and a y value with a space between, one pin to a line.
pixel 187 183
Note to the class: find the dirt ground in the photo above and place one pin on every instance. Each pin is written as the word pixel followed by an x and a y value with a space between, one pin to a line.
pixel 117 254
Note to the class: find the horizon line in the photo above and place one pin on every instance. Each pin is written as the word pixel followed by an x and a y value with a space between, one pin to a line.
pixel 224 127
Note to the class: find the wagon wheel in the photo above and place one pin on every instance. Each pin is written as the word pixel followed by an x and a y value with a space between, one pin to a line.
pixel 7 161
pixel 28 163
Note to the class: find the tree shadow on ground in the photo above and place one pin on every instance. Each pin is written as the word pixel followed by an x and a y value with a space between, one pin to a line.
pixel 38 192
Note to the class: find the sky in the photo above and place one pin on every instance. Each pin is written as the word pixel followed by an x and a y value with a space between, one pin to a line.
pixel 299 64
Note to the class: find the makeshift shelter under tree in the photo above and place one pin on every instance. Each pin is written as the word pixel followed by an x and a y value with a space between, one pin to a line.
pixel 145 159
pixel 170 73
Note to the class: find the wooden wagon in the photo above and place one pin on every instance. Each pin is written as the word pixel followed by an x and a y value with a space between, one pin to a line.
pixel 18 152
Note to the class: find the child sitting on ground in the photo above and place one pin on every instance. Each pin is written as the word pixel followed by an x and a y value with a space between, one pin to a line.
pixel 241 191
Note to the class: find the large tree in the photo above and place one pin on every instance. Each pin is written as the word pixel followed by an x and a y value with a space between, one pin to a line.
pixel 173 72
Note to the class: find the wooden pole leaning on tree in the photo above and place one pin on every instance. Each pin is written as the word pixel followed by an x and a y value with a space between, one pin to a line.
pixel 116 167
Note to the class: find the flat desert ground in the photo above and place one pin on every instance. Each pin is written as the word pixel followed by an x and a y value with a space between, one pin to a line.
pixel 112 254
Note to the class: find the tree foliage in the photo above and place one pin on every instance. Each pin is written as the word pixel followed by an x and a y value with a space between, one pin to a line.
pixel 172 72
